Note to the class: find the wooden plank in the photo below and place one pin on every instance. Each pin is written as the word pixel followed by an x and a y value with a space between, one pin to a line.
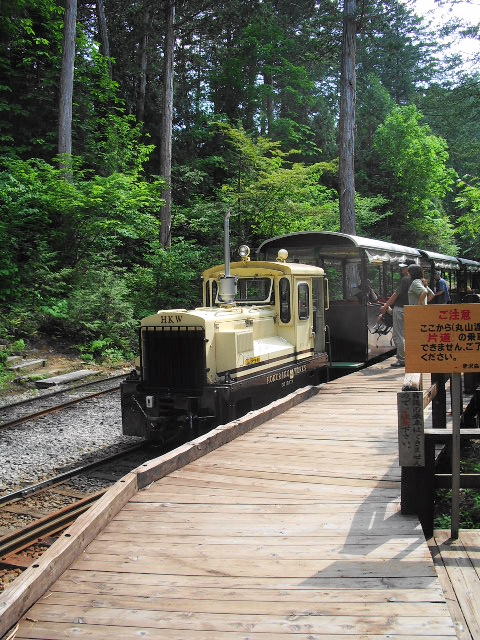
pixel 344 596
pixel 275 568
pixel 353 625
pixel 145 546
pixel 28 587
pixel 371 508
pixel 455 611
pixel 109 576
pixel 281 607
pixel 410 541
pixel 463 578
pixel 471 543
pixel 340 471
pixel 232 529
pixel 312 482
pixel 162 466
pixel 66 631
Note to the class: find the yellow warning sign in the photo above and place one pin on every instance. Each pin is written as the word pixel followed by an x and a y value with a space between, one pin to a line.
pixel 442 338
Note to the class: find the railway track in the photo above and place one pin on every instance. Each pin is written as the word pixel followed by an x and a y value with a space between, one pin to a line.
pixel 19 412
pixel 20 547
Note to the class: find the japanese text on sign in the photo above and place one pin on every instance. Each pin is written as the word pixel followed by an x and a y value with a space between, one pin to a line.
pixel 411 448
pixel 442 338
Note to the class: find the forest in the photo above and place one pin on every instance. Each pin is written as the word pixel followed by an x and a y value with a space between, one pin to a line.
pixel 86 251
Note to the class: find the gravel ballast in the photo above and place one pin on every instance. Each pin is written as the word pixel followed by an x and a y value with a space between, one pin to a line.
pixel 39 449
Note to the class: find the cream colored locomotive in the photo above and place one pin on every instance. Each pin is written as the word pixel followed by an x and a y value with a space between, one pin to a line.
pixel 259 335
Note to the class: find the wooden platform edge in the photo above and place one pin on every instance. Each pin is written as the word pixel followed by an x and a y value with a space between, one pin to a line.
pixel 162 466
pixel 34 581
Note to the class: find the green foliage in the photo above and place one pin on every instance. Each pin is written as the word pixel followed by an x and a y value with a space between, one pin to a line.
pixel 468 224
pixel 114 145
pixel 48 224
pixel 273 196
pixel 453 112
pixel 469 508
pixel 99 313
pixel 416 162
pixel 170 279
pixel 54 231
pixel 255 129
pixel 30 54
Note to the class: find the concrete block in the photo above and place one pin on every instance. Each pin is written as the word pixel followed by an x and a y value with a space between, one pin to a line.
pixel 65 378
pixel 27 365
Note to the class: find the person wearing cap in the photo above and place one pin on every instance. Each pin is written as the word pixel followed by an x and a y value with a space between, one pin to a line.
pixel 442 293
pixel 397 301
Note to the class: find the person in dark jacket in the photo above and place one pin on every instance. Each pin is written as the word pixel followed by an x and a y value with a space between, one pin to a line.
pixel 442 292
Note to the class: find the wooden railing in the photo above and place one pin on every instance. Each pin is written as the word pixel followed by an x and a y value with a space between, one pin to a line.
pixel 421 452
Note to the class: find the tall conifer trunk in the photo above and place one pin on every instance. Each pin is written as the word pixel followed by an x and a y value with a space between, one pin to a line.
pixel 142 86
pixel 347 121
pixel 103 31
pixel 66 79
pixel 167 116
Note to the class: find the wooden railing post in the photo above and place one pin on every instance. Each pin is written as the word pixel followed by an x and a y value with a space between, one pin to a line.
pixel 411 442
pixel 416 453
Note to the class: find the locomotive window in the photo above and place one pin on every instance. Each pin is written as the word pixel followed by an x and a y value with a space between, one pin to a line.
pixel 284 288
pixel 303 301
pixel 254 290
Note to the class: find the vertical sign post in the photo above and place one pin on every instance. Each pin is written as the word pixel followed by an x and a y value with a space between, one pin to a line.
pixel 456 414
pixel 445 338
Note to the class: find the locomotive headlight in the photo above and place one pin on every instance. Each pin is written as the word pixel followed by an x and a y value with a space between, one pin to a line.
pixel 282 255
pixel 244 252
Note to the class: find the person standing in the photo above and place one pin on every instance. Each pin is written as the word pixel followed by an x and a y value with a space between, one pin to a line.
pixel 418 293
pixel 397 301
pixel 442 293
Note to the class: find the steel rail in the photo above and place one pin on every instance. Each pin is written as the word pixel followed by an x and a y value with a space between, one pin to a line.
pixel 35 488
pixel 53 523
pixel 58 407
pixel 19 403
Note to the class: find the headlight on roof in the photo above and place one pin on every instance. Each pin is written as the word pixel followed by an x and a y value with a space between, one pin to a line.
pixel 244 252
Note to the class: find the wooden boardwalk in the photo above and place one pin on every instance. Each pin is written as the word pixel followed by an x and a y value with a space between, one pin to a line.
pixel 291 530
pixel 457 565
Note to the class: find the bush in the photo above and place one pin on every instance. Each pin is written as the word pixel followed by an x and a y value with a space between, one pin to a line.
pixel 97 313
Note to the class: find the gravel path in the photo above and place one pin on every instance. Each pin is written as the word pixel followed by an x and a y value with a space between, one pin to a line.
pixel 39 449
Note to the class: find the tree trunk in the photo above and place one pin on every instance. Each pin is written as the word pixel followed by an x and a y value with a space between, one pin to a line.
pixel 102 28
pixel 167 116
pixel 267 81
pixel 142 86
pixel 66 79
pixel 347 121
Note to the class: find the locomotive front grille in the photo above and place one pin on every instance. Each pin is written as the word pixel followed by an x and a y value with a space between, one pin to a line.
pixel 173 357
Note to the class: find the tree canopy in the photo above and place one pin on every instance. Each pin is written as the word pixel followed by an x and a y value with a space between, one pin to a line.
pixel 254 129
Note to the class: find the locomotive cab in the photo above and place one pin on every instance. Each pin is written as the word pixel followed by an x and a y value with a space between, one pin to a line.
pixel 259 335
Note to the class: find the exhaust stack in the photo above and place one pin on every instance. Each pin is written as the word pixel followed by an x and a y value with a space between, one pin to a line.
pixel 227 287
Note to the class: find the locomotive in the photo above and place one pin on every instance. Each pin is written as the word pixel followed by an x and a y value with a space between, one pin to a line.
pixel 300 315
pixel 259 335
